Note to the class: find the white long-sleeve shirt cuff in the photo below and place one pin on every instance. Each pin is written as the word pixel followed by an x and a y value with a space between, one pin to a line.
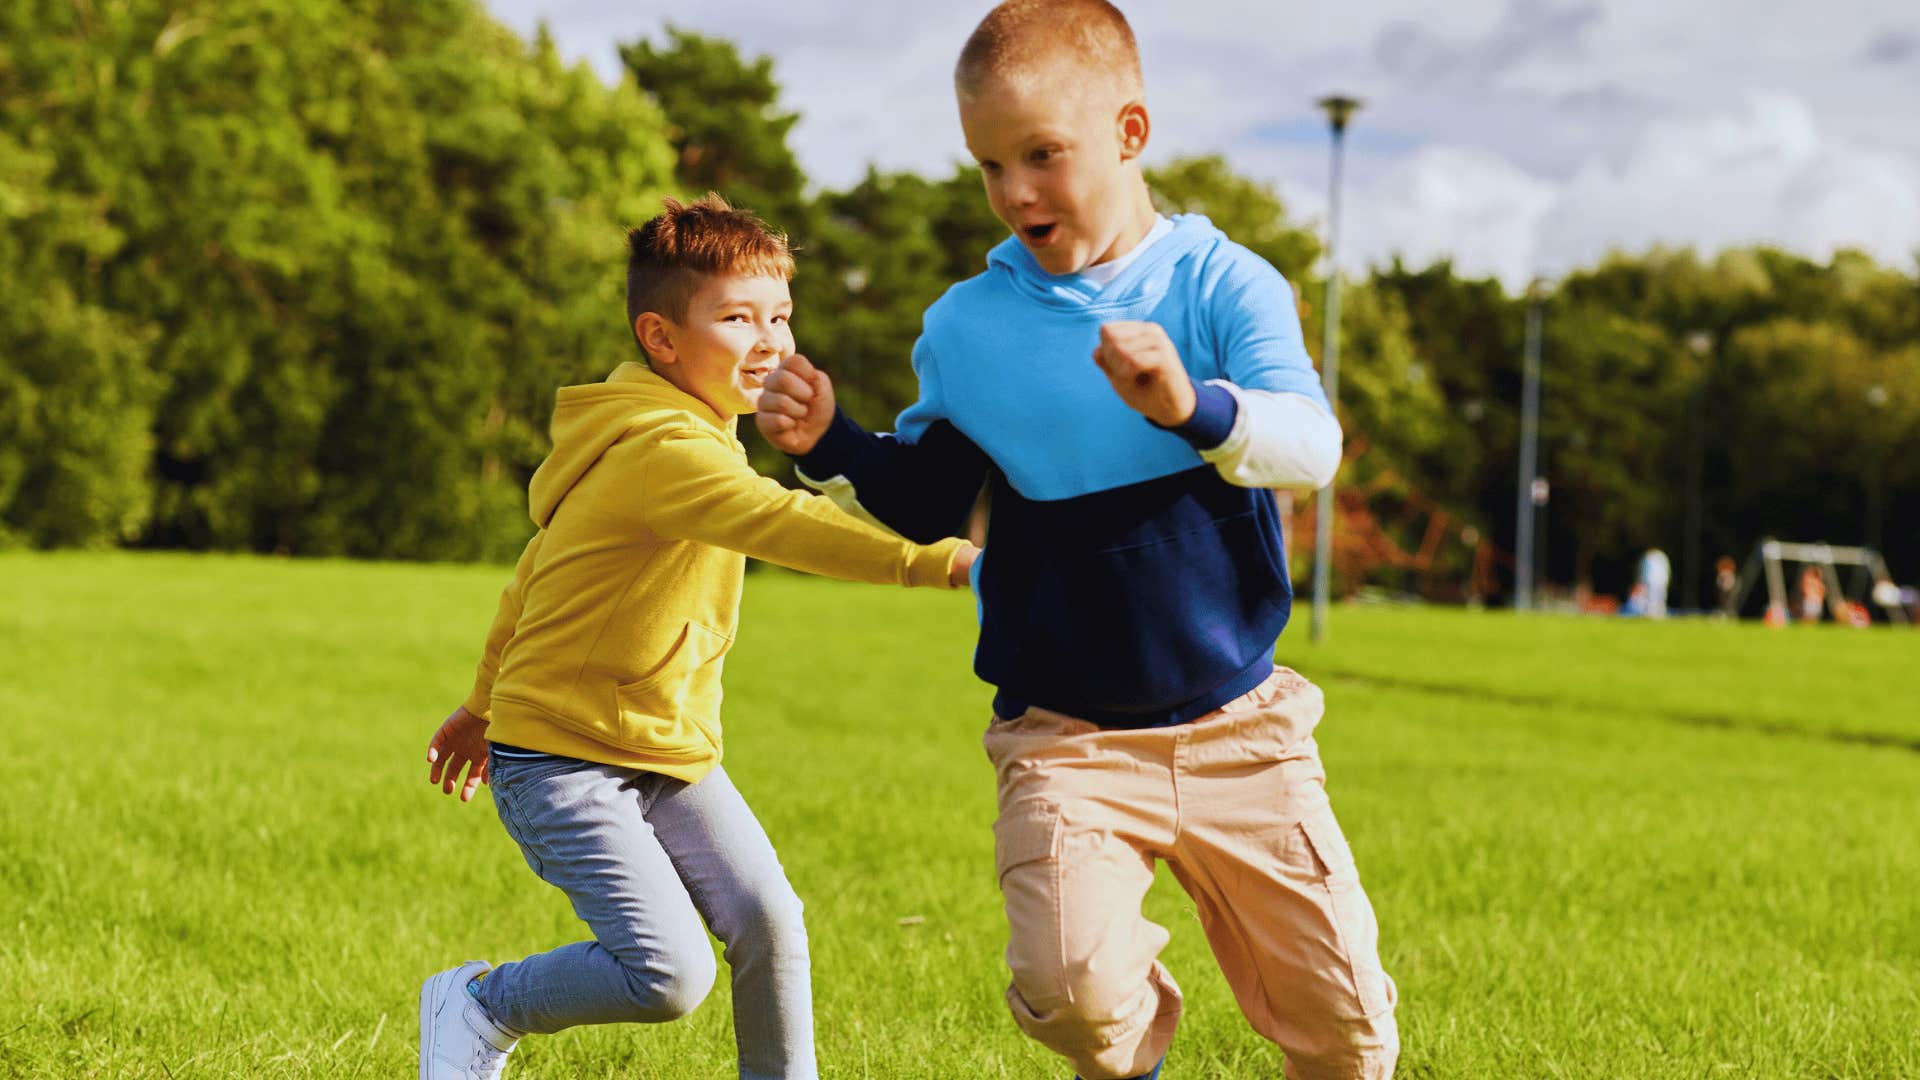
pixel 1278 440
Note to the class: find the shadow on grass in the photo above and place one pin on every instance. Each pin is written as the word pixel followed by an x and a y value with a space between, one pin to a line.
pixel 1724 721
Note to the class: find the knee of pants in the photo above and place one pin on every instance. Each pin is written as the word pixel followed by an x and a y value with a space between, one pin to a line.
pixel 674 983
pixel 1365 1049
pixel 1079 998
pixel 1370 1063
pixel 769 922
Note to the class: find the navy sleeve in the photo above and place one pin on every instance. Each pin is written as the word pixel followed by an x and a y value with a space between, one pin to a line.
pixel 921 489
pixel 1214 411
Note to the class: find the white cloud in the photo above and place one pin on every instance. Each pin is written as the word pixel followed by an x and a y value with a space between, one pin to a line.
pixel 1444 202
pixel 1514 135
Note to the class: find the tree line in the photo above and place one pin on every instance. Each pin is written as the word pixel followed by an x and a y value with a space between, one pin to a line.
pixel 301 276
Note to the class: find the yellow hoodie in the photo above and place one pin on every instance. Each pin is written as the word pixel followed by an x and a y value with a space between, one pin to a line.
pixel 609 643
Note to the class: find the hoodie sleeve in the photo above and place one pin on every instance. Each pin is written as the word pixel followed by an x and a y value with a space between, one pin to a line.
pixel 1266 424
pixel 480 701
pixel 920 482
pixel 696 488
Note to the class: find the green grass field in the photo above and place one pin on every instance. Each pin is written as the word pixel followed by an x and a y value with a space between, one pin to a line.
pixel 1597 848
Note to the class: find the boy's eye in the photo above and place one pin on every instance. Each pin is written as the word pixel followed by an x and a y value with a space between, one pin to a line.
pixel 991 168
pixel 1042 155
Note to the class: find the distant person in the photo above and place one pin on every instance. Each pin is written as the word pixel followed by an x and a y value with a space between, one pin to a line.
pixel 1655 573
pixel 1132 383
pixel 595 714
pixel 1636 605
pixel 1813 594
pixel 1886 594
pixel 1726 585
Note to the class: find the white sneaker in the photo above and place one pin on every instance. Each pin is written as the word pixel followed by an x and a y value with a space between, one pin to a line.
pixel 458 1041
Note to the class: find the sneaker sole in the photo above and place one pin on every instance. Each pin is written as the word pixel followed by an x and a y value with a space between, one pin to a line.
pixel 426 1022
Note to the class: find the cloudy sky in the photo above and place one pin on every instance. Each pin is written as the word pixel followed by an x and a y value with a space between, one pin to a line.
pixel 1521 137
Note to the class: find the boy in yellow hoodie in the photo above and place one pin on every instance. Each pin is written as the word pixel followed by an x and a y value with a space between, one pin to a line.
pixel 595 714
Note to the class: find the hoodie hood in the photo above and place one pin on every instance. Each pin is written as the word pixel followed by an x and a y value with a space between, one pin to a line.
pixel 1148 278
pixel 590 419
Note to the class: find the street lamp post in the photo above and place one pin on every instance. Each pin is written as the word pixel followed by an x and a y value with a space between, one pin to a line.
pixel 1339 110
pixel 1700 343
pixel 1876 479
pixel 1527 494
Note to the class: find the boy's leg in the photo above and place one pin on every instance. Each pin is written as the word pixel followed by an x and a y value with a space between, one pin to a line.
pixel 729 867
pixel 1279 896
pixel 583 829
pixel 1082 813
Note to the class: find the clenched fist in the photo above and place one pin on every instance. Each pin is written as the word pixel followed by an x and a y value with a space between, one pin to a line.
pixel 796 406
pixel 1145 370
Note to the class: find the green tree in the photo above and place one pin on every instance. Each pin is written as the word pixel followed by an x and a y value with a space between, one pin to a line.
pixel 1246 210
pixel 350 242
pixel 76 399
pixel 724 119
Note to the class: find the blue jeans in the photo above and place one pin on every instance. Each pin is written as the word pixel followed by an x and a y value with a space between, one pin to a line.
pixel 645 858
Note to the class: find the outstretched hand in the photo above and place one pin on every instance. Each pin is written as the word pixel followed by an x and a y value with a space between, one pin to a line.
pixel 459 745
pixel 960 571
pixel 1145 370
pixel 796 406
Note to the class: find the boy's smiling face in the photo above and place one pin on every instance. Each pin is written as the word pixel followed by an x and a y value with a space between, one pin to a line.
pixel 1061 164
pixel 735 332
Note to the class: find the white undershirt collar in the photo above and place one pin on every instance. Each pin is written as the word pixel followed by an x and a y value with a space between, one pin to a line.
pixel 1100 275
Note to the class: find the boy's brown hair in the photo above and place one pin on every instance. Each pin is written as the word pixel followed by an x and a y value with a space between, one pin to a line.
pixel 669 255
pixel 1020 39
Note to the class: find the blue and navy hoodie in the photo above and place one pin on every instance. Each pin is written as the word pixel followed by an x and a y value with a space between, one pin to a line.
pixel 1125 580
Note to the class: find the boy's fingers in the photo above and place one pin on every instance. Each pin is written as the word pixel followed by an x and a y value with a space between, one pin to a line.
pixel 788 384
pixel 820 386
pixel 800 366
pixel 782 405
pixel 1115 362
pixel 454 765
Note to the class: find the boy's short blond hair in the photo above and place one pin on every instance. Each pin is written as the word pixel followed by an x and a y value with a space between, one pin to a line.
pixel 1022 40
pixel 686 242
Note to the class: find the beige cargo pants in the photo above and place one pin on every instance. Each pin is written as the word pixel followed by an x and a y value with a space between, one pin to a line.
pixel 1235 803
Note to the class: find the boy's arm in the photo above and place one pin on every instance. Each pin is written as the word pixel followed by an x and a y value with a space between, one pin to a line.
pixel 921 489
pixel 1267 424
pixel 696 488
pixel 505 617
pixel 460 744
pixel 920 482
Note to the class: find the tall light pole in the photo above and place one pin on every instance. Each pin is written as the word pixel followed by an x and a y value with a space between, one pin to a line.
pixel 1700 343
pixel 1527 495
pixel 1339 110
pixel 1876 478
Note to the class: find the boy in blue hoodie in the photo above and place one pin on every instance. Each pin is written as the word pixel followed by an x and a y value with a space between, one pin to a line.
pixel 1128 386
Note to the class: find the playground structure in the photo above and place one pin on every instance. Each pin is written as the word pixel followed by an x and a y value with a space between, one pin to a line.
pixel 1372 512
pixel 1870 582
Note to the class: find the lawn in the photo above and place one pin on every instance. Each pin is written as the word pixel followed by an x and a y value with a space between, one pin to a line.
pixel 1597 848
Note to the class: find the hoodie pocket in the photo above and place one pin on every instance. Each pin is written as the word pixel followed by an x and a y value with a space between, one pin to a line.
pixel 675 709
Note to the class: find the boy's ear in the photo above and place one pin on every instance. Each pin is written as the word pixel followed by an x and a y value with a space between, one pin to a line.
pixel 1134 128
pixel 655 335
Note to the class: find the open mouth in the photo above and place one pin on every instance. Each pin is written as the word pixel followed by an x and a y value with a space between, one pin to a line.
pixel 1037 234
pixel 754 376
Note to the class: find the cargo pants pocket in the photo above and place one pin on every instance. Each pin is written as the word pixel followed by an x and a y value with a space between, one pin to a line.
pixel 1352 911
pixel 1026 859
